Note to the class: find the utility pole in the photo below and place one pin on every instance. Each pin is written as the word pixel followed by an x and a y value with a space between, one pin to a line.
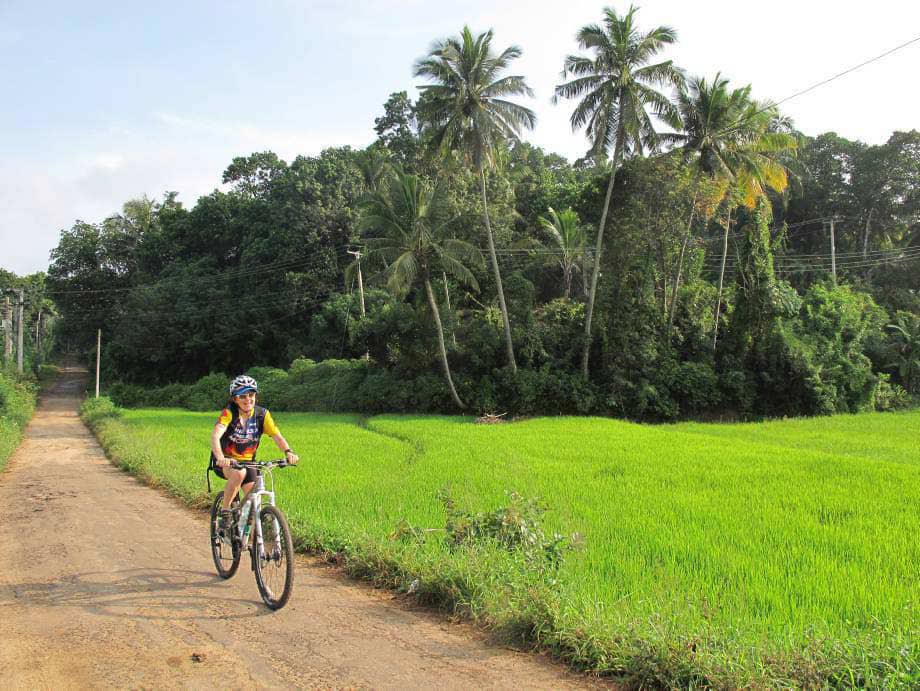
pixel 833 252
pixel 19 339
pixel 7 330
pixel 357 255
pixel 98 348
pixel 38 336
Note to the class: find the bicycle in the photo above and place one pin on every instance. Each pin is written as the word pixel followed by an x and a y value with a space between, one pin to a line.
pixel 263 530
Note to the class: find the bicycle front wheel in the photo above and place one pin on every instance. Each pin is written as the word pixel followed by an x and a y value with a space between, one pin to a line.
pixel 225 549
pixel 274 563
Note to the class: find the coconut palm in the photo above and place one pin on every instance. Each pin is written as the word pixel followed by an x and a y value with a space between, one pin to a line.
pixel 570 237
pixel 725 136
pixel 467 110
pixel 411 219
pixel 616 87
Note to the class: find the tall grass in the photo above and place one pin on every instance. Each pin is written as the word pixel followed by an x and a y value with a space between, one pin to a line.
pixel 774 553
pixel 17 403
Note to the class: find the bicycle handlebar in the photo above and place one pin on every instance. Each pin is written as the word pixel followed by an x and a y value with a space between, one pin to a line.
pixel 277 463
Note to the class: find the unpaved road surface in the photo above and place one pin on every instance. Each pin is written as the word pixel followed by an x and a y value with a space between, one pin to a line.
pixel 107 583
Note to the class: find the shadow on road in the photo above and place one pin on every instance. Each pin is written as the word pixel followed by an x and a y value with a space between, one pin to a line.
pixel 157 594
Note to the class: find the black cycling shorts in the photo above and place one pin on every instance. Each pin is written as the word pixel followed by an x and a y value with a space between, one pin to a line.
pixel 251 474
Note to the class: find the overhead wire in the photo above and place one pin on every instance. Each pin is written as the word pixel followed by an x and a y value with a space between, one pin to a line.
pixel 770 105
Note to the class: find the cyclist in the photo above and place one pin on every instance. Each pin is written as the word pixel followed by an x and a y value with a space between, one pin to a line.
pixel 236 437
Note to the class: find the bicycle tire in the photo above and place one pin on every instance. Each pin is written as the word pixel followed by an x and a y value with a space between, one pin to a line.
pixel 226 556
pixel 275 567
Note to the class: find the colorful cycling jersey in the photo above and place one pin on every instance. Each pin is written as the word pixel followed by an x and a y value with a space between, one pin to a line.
pixel 241 442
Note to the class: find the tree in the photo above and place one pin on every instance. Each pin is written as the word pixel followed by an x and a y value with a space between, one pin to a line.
pixel 570 238
pixel 617 87
pixel 413 220
pixel 726 137
pixel 253 175
pixel 905 348
pixel 467 110
pixel 397 130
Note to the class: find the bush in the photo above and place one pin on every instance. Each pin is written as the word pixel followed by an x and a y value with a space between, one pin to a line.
pixel 890 396
pixel 95 409
pixel 208 393
pixel 696 387
pixel 127 395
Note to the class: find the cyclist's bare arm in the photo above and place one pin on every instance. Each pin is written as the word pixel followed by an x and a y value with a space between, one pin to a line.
pixel 291 458
pixel 218 432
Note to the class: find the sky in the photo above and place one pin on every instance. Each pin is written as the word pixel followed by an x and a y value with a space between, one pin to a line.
pixel 108 101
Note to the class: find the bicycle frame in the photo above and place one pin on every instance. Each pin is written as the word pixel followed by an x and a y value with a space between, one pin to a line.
pixel 254 501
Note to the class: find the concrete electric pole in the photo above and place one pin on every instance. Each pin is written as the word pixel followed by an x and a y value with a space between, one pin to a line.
pixel 19 338
pixel 7 330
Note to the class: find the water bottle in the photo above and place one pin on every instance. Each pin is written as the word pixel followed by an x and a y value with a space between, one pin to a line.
pixel 244 518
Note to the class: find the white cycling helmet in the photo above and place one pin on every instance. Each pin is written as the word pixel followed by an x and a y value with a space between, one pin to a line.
pixel 243 384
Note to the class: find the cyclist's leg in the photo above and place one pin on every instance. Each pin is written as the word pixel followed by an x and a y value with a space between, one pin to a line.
pixel 234 479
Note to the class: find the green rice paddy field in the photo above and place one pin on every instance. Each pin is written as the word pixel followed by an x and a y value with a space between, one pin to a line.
pixel 779 553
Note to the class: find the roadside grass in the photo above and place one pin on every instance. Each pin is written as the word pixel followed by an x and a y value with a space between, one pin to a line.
pixel 17 403
pixel 782 553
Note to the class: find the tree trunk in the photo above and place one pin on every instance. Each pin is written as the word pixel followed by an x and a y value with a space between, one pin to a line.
pixel 715 329
pixel 567 279
pixel 680 258
pixel 498 277
pixel 592 291
pixel 865 249
pixel 453 335
pixel 432 303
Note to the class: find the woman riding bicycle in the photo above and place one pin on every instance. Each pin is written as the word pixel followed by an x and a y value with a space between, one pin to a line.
pixel 236 437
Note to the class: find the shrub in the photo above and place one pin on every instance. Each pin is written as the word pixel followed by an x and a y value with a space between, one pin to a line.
pixel 208 393
pixel 696 387
pixel 890 396
pixel 95 409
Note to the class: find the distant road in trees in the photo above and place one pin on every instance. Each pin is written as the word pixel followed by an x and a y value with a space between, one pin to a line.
pixel 107 583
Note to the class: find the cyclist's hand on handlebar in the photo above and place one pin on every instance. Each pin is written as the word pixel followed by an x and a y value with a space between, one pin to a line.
pixel 291 457
pixel 223 462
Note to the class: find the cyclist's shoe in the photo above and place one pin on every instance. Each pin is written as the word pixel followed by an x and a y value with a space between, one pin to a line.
pixel 225 522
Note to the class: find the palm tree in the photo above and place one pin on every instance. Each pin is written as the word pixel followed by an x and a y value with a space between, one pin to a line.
pixel 412 219
pixel 467 109
pixel 617 87
pixel 570 237
pixel 724 135
pixel 760 167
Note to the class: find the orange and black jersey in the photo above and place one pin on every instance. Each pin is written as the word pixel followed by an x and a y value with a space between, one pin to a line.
pixel 241 439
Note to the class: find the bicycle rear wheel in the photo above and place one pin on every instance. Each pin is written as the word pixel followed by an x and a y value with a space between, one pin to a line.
pixel 274 567
pixel 224 550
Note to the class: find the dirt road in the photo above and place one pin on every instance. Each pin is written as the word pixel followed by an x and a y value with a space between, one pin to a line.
pixel 107 583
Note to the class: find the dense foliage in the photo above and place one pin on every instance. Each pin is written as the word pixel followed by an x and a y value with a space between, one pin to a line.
pixel 716 291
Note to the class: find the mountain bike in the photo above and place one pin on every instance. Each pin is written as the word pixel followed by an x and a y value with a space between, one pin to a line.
pixel 261 529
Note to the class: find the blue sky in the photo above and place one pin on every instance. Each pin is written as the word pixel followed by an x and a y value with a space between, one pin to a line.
pixel 109 101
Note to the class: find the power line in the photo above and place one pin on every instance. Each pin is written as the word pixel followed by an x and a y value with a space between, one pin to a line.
pixel 845 72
